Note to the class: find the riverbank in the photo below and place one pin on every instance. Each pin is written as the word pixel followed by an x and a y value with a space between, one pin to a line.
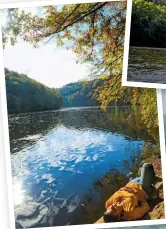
pixel 156 201
pixel 153 48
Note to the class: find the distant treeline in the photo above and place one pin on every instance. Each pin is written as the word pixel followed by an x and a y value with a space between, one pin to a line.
pixel 79 94
pixel 148 24
pixel 27 95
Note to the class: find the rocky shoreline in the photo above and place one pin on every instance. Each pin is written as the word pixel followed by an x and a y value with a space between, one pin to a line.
pixel 156 201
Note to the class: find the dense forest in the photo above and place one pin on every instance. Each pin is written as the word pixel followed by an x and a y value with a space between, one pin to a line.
pixel 26 95
pixel 159 2
pixel 148 24
pixel 79 94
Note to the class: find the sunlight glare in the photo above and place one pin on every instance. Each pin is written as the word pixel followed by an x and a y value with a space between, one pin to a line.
pixel 18 194
pixel 4 18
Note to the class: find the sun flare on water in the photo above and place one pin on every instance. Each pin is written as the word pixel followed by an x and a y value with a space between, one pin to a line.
pixel 18 194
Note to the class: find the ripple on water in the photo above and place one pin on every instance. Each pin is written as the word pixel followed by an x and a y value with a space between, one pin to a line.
pixel 51 176
pixel 147 65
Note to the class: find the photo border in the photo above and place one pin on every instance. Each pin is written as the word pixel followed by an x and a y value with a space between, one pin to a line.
pixel 162 140
pixel 5 128
pixel 125 82
pixel 37 3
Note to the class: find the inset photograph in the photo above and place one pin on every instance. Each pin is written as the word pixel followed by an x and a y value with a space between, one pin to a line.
pixel 147 51
pixel 83 149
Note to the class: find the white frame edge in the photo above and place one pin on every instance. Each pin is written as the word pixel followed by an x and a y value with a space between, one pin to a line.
pixel 6 130
pixel 162 140
pixel 6 137
pixel 48 2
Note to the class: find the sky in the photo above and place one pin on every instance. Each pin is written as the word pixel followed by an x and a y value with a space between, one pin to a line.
pixel 47 64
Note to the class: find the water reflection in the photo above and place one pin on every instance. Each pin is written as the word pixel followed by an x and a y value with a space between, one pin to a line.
pixel 147 65
pixel 66 163
pixel 18 193
pixel 27 129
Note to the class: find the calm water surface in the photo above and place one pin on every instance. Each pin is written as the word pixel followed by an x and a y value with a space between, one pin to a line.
pixel 147 65
pixel 56 157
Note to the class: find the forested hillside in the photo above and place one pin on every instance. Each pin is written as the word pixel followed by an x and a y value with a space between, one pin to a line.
pixel 92 44
pixel 26 95
pixel 148 24
pixel 159 2
pixel 79 94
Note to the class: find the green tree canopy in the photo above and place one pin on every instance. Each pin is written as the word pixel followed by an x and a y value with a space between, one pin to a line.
pixel 159 2
pixel 26 95
pixel 95 32
pixel 148 24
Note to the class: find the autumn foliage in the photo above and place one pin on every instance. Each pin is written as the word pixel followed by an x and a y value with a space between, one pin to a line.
pixel 95 33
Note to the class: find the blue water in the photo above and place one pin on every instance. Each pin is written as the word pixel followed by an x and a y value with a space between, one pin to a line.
pixel 56 157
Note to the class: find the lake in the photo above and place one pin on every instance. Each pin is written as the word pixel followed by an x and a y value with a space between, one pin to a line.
pixel 63 162
pixel 147 65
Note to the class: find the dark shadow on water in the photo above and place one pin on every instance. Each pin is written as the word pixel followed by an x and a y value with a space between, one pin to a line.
pixel 93 205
